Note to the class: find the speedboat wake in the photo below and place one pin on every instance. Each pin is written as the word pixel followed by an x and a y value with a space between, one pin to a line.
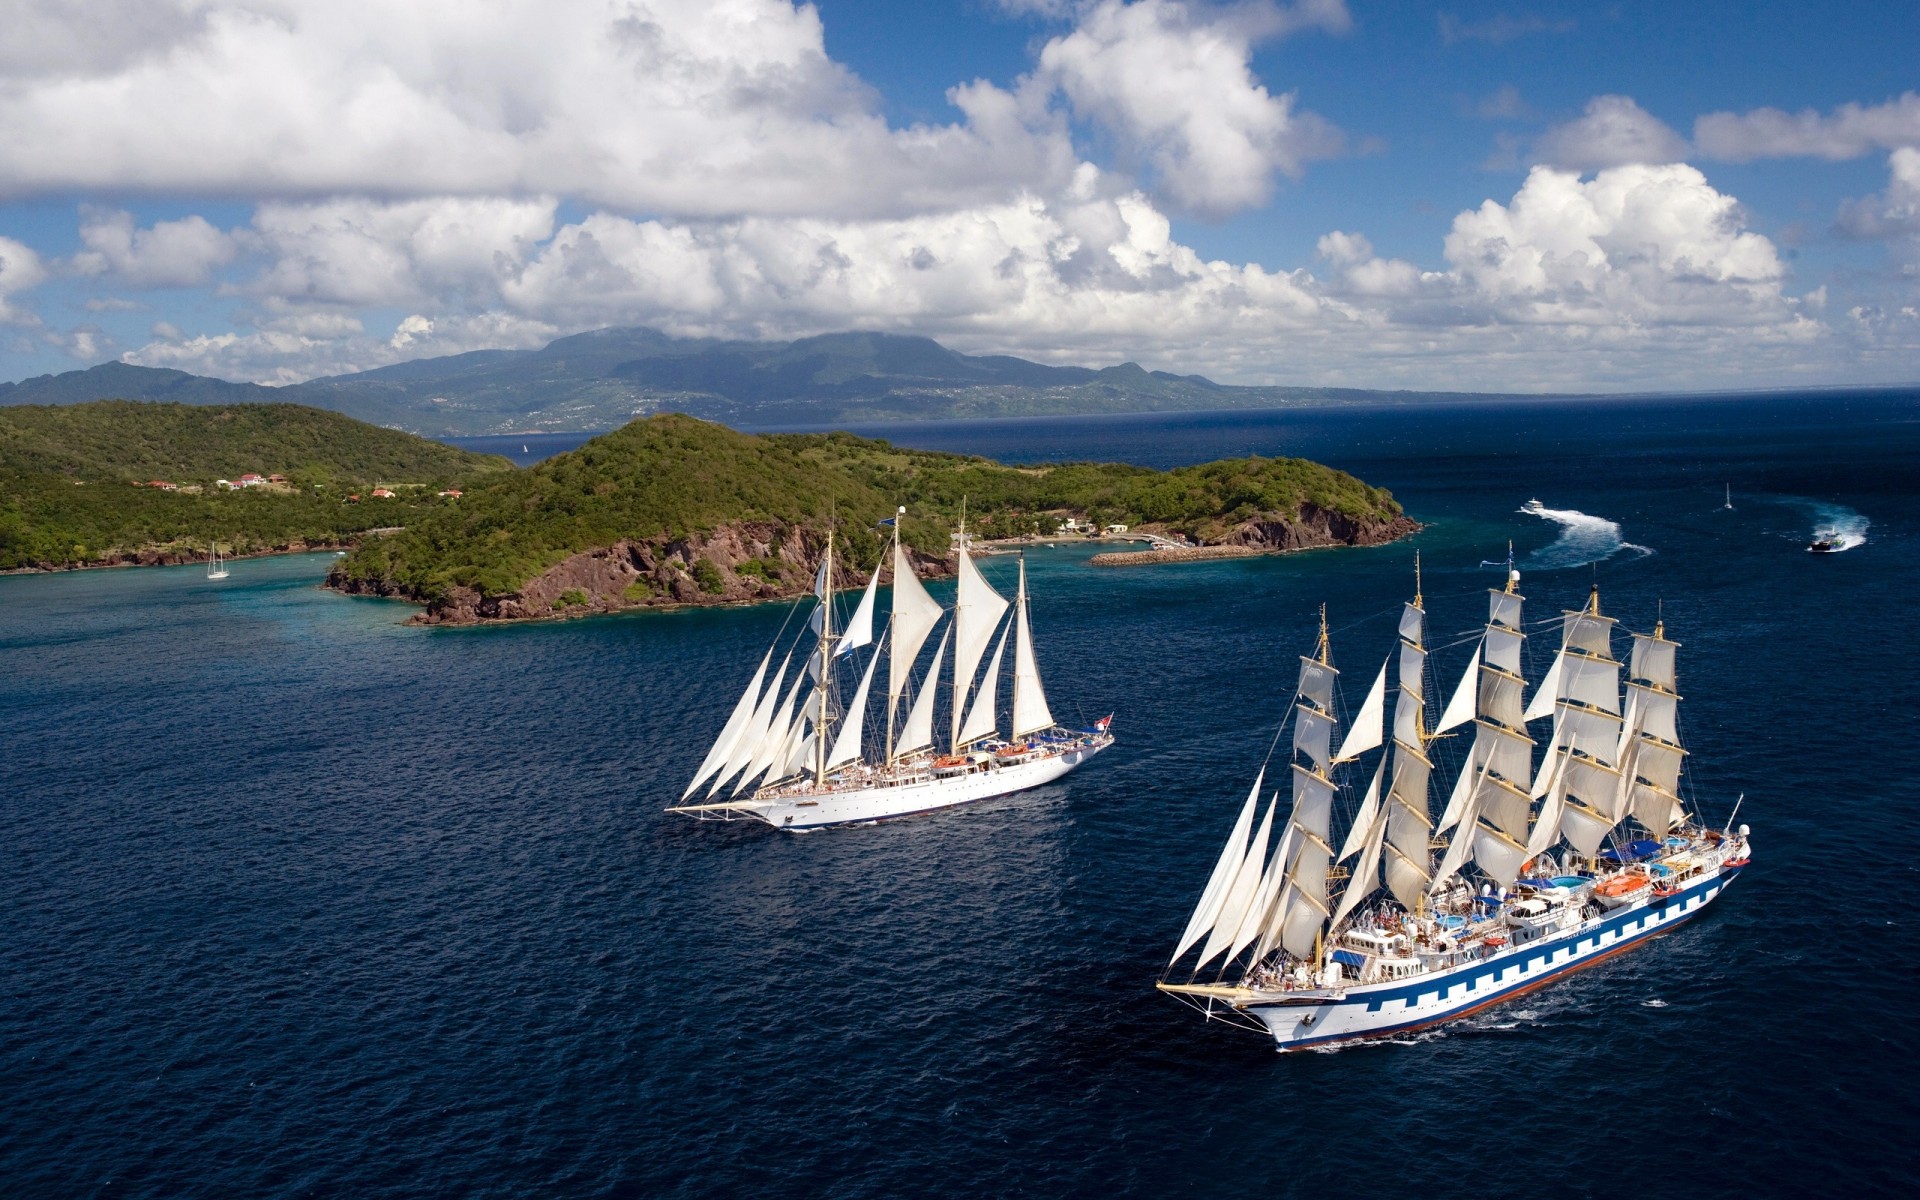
pixel 1835 526
pixel 1584 538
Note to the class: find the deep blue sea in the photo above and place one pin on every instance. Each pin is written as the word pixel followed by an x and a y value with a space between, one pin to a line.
pixel 299 900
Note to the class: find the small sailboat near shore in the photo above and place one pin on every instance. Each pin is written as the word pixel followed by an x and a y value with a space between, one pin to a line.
pixel 1548 868
pixel 802 759
pixel 216 563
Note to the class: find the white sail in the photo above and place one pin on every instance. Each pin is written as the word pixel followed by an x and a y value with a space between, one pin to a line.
pixel 1408 860
pixel 977 610
pixel 1658 714
pixel 1542 703
pixel 1656 809
pixel 1459 710
pixel 779 737
pixel 1413 621
pixel 982 721
pixel 1659 765
pixel 1372 836
pixel 1030 711
pixel 1589 633
pixel 917 733
pixel 859 630
pixel 1369 725
pixel 1244 890
pixel 915 613
pixel 736 724
pixel 745 750
pixel 1208 910
pixel 1260 910
pixel 1653 659
pixel 846 746
pixel 1500 697
pixel 1502 647
pixel 1316 682
pixel 1313 735
pixel 1498 854
pixel 1364 819
pixel 1546 830
pixel 1504 608
pixel 1594 682
pixel 1461 794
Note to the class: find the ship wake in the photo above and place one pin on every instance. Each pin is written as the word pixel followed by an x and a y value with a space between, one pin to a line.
pixel 1584 538
pixel 1837 523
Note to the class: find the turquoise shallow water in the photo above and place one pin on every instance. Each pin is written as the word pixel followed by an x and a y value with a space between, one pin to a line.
pixel 305 901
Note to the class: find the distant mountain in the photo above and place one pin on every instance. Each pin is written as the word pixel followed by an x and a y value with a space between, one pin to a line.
pixel 603 379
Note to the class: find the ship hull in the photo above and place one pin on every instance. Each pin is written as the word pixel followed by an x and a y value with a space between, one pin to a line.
pixel 888 802
pixel 1320 1020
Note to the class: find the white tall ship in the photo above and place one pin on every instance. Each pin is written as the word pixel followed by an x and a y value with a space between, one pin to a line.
pixel 1531 870
pixel 794 756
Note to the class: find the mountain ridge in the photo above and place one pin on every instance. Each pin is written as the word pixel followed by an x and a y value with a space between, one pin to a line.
pixel 601 379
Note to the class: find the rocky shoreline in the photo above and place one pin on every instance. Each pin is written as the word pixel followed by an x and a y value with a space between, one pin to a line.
pixel 751 561
pixel 171 557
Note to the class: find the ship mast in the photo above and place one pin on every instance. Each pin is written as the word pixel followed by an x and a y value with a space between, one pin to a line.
pixel 826 651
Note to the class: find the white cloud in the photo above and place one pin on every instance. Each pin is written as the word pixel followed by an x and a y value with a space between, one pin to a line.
pixel 1634 244
pixel 20 270
pixel 1850 131
pixel 1612 132
pixel 725 107
pixel 179 253
pixel 1639 275
pixel 1498 29
pixel 1894 212
pixel 1173 85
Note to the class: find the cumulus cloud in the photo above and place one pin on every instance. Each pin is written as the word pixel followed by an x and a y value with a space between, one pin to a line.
pixel 726 107
pixel 20 270
pixel 1633 244
pixel 1613 131
pixel 1849 131
pixel 1174 86
pixel 1638 259
pixel 1892 215
pixel 179 253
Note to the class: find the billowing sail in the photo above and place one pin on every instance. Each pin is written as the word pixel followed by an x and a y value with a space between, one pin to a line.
pixel 779 737
pixel 1245 889
pixel 859 630
pixel 736 725
pixel 1408 828
pixel 1207 911
pixel 1366 837
pixel 755 734
pixel 917 733
pixel 915 613
pixel 846 746
pixel 1313 736
pixel 1369 724
pixel 1653 660
pixel 1577 778
pixel 1316 682
pixel 1459 710
pixel 982 721
pixel 1030 711
pixel 1542 703
pixel 977 610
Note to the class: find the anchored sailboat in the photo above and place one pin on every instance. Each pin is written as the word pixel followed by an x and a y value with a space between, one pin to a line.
pixel 1522 891
pixel 799 759
pixel 216 564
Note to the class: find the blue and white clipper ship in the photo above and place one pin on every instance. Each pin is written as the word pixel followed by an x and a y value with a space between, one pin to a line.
pixel 1530 872
pixel 805 758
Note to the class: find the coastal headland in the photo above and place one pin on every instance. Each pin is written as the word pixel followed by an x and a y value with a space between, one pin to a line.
pixel 671 511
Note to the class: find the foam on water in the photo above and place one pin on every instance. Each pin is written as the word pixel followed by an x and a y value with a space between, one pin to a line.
pixel 1847 527
pixel 1584 538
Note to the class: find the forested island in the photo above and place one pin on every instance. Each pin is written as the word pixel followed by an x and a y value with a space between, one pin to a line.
pixel 671 510
pixel 668 510
pixel 118 482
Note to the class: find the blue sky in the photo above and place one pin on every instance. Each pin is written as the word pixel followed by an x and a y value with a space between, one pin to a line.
pixel 1466 195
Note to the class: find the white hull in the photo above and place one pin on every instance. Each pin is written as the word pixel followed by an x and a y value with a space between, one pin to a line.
pixel 858 803
pixel 1328 1017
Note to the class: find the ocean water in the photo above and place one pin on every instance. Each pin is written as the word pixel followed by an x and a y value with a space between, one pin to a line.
pixel 303 901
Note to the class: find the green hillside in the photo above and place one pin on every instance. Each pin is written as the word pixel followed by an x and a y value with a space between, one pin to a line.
pixel 671 479
pixel 70 476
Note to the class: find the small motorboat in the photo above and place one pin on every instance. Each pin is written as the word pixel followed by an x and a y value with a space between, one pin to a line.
pixel 1824 542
